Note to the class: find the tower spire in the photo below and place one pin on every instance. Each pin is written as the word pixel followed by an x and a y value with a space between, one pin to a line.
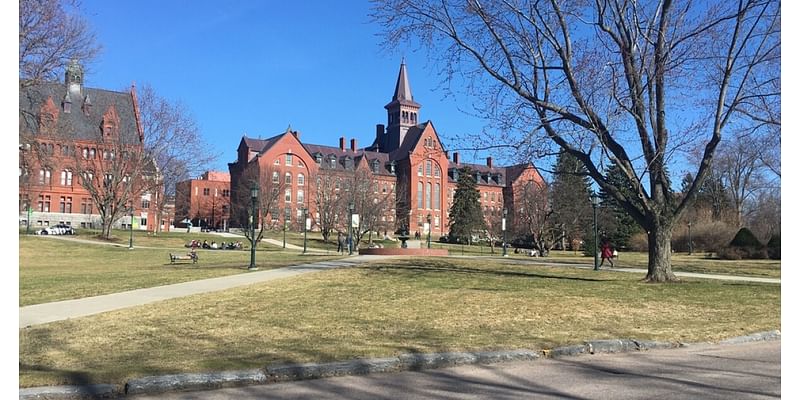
pixel 402 111
pixel 402 90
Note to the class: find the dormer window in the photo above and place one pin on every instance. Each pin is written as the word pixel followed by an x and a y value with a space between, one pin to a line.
pixel 348 162
pixel 375 166
pixel 391 167
pixel 318 158
pixel 333 161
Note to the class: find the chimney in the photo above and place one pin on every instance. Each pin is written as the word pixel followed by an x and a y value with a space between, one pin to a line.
pixel 353 145
pixel 489 162
pixel 455 157
pixel 87 105
pixel 379 129
pixel 341 143
pixel 296 134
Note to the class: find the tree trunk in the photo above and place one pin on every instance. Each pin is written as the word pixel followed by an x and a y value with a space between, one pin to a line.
pixel 659 266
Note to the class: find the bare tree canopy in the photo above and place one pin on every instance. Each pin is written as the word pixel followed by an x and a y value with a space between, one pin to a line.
pixel 636 83
pixel 49 37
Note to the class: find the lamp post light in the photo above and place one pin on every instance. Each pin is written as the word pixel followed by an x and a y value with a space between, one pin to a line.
pixel 305 228
pixel 130 242
pixel 284 228
pixel 505 238
pixel 254 199
pixel 429 230
pixel 350 207
pixel 690 237
pixel 595 202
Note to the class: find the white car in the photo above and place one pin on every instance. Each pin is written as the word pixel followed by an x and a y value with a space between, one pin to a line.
pixel 59 229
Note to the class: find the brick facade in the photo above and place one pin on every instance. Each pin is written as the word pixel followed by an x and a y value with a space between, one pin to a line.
pixel 66 125
pixel 205 201
pixel 405 161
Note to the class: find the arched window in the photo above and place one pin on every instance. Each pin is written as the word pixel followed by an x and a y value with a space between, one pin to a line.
pixel 436 195
pixel 436 171
pixel 301 197
pixel 419 194
pixel 288 194
pixel 419 170
pixel 428 196
pixel 301 179
pixel 66 178
pixel 288 180
pixel 275 177
pixel 428 167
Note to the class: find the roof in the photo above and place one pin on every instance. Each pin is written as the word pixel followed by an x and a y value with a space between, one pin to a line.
pixel 402 90
pixel 76 122
pixel 409 141
pixel 357 156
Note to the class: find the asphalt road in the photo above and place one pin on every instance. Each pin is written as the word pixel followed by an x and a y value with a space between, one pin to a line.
pixel 740 371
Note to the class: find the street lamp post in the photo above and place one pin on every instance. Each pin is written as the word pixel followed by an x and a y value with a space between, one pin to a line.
pixel 690 237
pixel 429 230
pixel 254 199
pixel 284 229
pixel 305 228
pixel 350 207
pixel 505 238
pixel 130 243
pixel 595 202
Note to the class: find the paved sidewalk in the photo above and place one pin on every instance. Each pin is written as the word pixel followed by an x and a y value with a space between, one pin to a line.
pixel 61 310
pixel 643 271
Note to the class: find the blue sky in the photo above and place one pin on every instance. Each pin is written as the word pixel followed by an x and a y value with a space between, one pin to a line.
pixel 255 67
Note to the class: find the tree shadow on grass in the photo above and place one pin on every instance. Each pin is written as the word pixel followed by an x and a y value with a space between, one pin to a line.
pixel 427 266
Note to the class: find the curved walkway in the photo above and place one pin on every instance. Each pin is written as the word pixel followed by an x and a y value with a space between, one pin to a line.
pixel 61 310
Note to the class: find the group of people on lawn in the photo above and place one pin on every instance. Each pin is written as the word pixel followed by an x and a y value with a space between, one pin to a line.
pixel 194 244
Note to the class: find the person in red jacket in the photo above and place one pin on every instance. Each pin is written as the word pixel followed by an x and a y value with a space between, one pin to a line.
pixel 606 253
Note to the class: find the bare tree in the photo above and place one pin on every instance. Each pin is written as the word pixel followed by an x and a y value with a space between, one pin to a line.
pixel 534 216
pixel 49 37
pixel 606 80
pixel 372 204
pixel 270 202
pixel 173 139
pixel 328 203
pixel 114 173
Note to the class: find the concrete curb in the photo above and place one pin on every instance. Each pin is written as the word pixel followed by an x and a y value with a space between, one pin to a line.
pixel 294 372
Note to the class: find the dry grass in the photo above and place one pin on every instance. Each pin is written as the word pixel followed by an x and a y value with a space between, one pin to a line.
pixel 53 269
pixel 387 308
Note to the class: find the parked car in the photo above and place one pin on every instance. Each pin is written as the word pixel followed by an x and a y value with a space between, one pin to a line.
pixel 58 229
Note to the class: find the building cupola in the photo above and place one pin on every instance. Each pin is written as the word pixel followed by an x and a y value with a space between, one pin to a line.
pixel 74 79
pixel 402 111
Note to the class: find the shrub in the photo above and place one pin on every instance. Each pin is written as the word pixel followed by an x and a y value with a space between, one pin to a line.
pixel 774 247
pixel 745 238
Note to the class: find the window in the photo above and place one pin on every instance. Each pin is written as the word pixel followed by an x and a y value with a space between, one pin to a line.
pixel 106 155
pixel 92 153
pixel 108 179
pixel 318 158
pixel 419 194
pixel 145 203
pixel 206 191
pixel 419 170
pixel 333 161
pixel 301 197
pixel 428 168
pixel 385 187
pixel 301 179
pixel 88 177
pixel 492 197
pixel 300 164
pixel 86 206
pixel 44 203
pixel 428 196
pixel 44 176
pixel 273 214
pixel 277 161
pixel 436 195
pixel 289 160
pixel 62 205
pixel 288 195
pixel 226 193
pixel 288 180
pixel 85 152
pixel 66 178
pixel 275 177
pixel 143 222
pixel 436 171
pixel 287 214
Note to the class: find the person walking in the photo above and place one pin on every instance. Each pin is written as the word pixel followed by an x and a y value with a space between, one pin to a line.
pixel 339 242
pixel 606 253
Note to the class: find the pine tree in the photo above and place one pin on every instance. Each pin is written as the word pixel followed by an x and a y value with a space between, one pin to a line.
pixel 466 216
pixel 571 205
pixel 616 224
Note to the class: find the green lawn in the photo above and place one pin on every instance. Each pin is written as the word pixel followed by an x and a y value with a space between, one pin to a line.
pixel 51 269
pixel 386 308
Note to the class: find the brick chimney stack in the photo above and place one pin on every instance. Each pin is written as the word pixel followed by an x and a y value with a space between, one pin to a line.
pixel 455 157
pixel 341 143
pixel 489 162
pixel 353 145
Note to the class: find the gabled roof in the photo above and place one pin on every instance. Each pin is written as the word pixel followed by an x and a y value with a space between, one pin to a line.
pixel 357 156
pixel 76 122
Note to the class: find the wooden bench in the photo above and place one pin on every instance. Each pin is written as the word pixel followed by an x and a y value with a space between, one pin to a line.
pixel 173 258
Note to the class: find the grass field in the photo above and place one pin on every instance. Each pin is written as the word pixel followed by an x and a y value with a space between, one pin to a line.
pixel 386 308
pixel 52 269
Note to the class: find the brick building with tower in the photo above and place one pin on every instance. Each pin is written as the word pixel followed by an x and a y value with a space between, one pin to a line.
pixel 76 144
pixel 405 165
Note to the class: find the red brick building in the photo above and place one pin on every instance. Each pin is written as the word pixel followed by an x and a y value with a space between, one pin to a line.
pixel 205 201
pixel 406 162
pixel 65 128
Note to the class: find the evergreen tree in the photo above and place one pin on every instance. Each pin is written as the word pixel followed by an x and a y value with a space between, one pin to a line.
pixel 572 209
pixel 614 222
pixel 466 216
